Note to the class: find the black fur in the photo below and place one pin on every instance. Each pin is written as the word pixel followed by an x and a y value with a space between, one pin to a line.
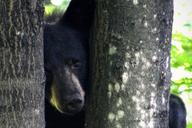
pixel 177 112
pixel 66 65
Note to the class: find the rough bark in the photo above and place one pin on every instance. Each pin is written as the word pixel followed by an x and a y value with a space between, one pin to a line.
pixel 130 64
pixel 21 64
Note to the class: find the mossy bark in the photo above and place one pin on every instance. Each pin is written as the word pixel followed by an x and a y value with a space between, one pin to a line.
pixel 21 64
pixel 130 64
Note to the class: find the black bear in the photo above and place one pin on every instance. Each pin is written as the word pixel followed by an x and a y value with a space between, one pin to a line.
pixel 66 67
pixel 177 112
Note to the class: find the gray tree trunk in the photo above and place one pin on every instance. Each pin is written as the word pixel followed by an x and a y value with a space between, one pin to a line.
pixel 21 64
pixel 130 57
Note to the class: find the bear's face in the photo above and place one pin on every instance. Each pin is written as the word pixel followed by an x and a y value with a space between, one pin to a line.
pixel 65 66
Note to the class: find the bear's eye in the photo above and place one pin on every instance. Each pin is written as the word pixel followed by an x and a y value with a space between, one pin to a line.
pixel 74 64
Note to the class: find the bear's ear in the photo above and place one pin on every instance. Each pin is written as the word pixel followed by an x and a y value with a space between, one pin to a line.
pixel 79 14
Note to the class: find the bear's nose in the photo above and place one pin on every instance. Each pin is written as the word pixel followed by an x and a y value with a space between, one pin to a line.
pixel 75 104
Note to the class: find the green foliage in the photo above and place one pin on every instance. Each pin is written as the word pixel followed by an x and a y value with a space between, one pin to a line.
pixel 51 8
pixel 53 11
pixel 181 55
pixel 182 51
pixel 189 125
pixel 181 66
pixel 181 63
pixel 181 86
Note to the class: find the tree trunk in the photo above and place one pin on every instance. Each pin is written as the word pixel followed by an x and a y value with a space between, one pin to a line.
pixel 130 57
pixel 21 64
